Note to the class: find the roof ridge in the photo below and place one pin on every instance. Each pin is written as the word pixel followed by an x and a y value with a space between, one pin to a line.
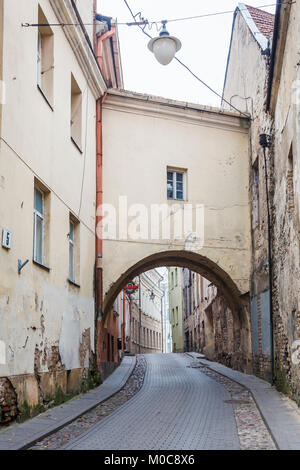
pixel 260 10
pixel 259 21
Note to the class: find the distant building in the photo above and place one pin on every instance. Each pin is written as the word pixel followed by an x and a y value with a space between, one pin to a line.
pixel 191 295
pixel 146 325
pixel 175 308
pixel 138 317
pixel 208 321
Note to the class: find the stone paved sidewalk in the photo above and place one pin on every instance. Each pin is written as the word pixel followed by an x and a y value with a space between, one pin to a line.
pixel 281 415
pixel 83 423
pixel 25 435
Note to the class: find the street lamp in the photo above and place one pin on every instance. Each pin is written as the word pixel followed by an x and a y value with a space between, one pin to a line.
pixel 164 47
pixel 152 296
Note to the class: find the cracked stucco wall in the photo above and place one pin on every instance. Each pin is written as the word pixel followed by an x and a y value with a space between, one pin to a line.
pixel 44 319
pixel 284 183
pixel 246 87
pixel 286 212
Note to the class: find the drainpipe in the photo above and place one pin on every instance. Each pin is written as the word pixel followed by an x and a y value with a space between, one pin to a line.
pixel 99 185
pixel 98 242
pixel 109 35
pixel 99 201
pixel 162 325
pixel 265 142
pixel 101 39
pixel 130 323
pixel 124 320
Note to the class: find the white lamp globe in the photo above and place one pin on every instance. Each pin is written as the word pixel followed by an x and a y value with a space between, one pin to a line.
pixel 165 46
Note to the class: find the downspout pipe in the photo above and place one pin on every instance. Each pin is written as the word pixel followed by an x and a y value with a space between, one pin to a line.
pixel 265 142
pixel 98 216
pixel 107 19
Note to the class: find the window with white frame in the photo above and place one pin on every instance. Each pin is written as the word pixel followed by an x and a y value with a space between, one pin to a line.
pixel 71 251
pixel 38 226
pixel 176 185
pixel 76 112
pixel 74 250
pixel 45 57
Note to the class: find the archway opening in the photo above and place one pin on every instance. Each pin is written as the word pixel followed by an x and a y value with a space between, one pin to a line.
pixel 229 306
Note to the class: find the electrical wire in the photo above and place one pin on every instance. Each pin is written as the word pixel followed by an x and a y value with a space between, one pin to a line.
pixel 189 70
pixel 145 22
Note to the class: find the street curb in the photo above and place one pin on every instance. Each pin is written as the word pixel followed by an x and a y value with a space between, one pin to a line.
pixel 250 391
pixel 43 434
pixel 280 414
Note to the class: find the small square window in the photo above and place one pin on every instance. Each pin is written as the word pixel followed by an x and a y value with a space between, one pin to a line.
pixel 176 185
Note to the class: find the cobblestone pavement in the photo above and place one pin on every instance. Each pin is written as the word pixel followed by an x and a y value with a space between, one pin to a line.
pixel 177 408
pixel 252 431
pixel 83 423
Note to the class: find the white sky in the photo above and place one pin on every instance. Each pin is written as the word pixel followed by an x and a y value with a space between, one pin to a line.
pixel 205 43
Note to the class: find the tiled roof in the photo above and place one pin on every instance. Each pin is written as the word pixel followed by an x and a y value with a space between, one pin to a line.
pixel 263 20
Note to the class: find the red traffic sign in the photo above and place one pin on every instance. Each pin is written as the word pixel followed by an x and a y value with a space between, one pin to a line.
pixel 131 287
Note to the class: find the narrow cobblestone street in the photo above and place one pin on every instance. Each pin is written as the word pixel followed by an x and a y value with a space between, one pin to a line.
pixel 181 406
pixel 86 421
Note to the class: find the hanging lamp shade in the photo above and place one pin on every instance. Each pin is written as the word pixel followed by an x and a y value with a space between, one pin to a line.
pixel 164 47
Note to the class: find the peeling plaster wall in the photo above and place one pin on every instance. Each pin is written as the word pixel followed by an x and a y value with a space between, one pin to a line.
pixel 247 77
pixel 51 317
pixel 283 125
pixel 286 212
pixel 46 323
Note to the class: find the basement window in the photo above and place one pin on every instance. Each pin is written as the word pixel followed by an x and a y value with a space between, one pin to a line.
pixel 45 58
pixel 176 184
pixel 76 113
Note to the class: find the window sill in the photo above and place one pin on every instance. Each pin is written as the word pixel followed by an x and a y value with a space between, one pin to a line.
pixel 176 200
pixel 76 145
pixel 43 266
pixel 45 97
pixel 73 283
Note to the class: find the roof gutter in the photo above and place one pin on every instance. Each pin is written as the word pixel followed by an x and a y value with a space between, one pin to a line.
pixel 273 55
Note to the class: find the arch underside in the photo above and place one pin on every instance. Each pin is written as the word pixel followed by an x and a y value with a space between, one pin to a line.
pixel 185 259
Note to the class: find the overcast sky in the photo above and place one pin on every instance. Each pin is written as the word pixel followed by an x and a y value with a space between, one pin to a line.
pixel 205 43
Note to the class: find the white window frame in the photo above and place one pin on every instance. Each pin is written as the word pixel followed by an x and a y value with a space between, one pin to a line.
pixel 175 172
pixel 36 214
pixel 72 243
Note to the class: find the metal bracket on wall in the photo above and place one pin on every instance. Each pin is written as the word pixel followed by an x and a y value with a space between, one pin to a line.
pixel 21 265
